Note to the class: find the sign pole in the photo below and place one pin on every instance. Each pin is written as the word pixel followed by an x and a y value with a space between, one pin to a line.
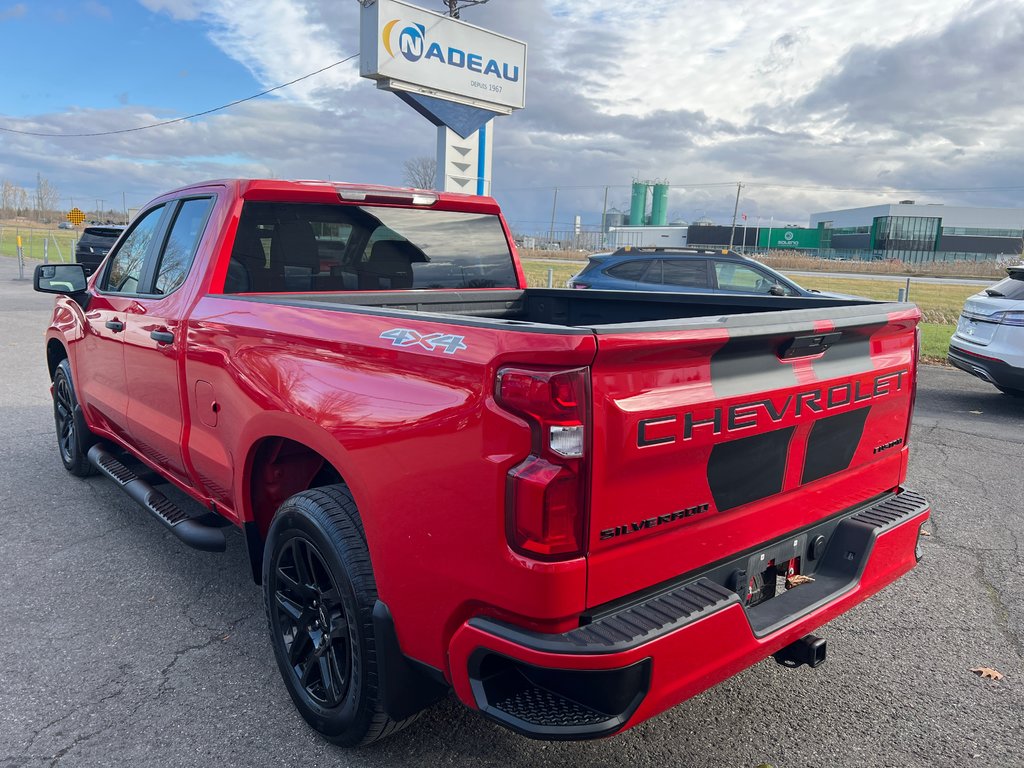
pixel 21 260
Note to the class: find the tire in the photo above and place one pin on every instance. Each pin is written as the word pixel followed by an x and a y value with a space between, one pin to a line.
pixel 319 591
pixel 73 439
pixel 1010 392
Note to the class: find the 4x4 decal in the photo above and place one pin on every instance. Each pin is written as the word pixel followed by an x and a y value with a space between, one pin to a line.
pixel 406 337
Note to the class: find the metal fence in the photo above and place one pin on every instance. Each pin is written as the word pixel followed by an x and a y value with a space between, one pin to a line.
pixel 47 245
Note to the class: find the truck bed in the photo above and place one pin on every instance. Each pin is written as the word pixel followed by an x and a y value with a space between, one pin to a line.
pixel 606 311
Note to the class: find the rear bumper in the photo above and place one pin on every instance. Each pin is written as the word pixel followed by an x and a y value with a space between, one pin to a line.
pixel 641 657
pixel 987 368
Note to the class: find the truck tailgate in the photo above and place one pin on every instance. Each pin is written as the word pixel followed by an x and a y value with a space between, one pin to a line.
pixel 715 436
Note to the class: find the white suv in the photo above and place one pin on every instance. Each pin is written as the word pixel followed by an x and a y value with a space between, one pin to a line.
pixel 989 339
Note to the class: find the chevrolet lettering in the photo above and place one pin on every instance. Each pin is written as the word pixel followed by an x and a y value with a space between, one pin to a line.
pixel 664 430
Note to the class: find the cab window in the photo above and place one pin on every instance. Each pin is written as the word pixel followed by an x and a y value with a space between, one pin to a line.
pixel 126 264
pixel 739 277
pixel 629 270
pixel 182 243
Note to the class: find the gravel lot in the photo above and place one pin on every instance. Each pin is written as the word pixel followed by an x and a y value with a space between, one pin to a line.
pixel 119 646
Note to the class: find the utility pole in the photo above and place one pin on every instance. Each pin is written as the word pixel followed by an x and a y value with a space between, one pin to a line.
pixel 554 205
pixel 604 214
pixel 735 210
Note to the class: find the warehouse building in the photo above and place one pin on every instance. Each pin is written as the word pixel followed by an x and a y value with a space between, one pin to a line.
pixel 911 232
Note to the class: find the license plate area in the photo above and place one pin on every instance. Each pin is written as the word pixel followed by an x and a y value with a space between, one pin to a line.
pixel 977 331
pixel 768 569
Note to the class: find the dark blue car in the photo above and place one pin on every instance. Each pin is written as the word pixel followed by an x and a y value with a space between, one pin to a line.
pixel 683 270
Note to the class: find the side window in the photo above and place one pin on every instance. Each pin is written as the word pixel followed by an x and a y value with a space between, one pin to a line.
pixel 629 270
pixel 182 242
pixel 692 273
pixel 738 277
pixel 126 265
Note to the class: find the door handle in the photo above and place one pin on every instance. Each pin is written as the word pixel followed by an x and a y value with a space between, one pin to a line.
pixel 115 325
pixel 164 337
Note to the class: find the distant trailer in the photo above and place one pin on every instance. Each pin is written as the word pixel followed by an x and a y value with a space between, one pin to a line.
pixel 647 237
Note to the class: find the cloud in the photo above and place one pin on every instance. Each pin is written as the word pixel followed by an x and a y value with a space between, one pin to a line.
pixel 16 11
pixel 812 105
pixel 966 75
pixel 97 9
pixel 182 10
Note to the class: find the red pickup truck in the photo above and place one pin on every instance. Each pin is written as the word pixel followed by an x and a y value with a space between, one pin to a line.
pixel 575 509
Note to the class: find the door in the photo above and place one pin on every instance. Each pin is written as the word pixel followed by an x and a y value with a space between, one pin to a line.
pixel 99 355
pixel 154 339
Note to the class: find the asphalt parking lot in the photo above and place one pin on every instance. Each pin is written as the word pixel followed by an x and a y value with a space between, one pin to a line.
pixel 119 646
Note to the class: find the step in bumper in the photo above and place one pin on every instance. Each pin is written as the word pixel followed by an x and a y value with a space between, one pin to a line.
pixel 649 654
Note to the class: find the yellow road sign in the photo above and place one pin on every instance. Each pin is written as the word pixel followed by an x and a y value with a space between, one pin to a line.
pixel 75 216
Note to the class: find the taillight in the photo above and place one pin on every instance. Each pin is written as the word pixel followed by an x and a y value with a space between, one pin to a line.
pixel 1007 318
pixel 913 386
pixel 546 493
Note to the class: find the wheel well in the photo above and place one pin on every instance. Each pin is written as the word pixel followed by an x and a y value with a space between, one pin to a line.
pixel 281 468
pixel 55 352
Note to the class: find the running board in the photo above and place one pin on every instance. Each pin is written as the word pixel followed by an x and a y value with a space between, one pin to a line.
pixel 190 530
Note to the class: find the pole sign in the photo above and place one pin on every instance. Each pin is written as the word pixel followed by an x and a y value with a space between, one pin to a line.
pixel 75 216
pixel 405 48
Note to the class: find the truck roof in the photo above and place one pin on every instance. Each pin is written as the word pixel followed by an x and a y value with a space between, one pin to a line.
pixel 310 190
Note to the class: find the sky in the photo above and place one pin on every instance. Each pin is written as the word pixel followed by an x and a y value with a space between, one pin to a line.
pixel 813 106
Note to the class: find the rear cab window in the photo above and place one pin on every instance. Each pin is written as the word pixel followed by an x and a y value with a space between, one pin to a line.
pixel 310 247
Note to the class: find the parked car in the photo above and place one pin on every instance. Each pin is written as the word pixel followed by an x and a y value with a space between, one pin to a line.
pixel 95 243
pixel 694 270
pixel 65 225
pixel 989 338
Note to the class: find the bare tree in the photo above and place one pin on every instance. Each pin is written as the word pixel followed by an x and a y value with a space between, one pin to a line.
pixel 20 201
pixel 421 172
pixel 8 198
pixel 47 197
pixel 455 6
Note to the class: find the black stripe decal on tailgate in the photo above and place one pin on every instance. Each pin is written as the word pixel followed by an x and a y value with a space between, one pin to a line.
pixel 748 469
pixel 832 443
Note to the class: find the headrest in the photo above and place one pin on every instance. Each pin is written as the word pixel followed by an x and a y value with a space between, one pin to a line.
pixel 294 244
pixel 390 253
pixel 249 248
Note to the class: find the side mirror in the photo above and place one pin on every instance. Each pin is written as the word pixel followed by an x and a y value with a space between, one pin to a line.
pixel 66 279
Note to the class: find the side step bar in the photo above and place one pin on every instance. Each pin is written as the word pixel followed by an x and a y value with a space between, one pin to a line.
pixel 191 531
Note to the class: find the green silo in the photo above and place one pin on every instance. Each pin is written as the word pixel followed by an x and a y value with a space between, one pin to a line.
pixel 638 205
pixel 659 208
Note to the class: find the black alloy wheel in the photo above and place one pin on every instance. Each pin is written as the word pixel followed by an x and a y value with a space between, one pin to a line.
pixel 320 593
pixel 312 622
pixel 73 440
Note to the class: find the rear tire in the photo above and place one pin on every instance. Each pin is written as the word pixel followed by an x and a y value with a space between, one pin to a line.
pixel 1011 392
pixel 320 592
pixel 73 439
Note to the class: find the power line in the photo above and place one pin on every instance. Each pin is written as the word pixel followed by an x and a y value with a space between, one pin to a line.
pixel 230 104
